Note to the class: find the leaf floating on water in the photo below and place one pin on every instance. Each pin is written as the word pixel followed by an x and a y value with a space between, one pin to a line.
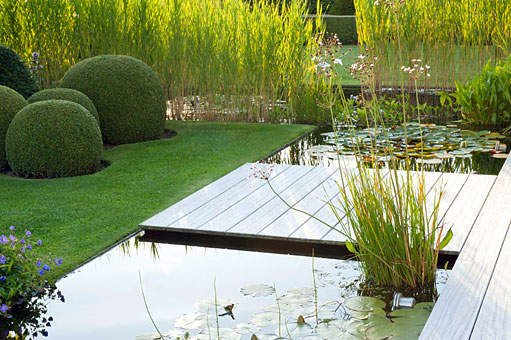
pixel 365 315
pixel 225 334
pixel 499 155
pixel 191 321
pixel 393 330
pixel 364 303
pixel 148 336
pixel 306 291
pixel 295 299
pixel 424 305
pixel 429 161
pixel 208 306
pixel 284 308
pixel 264 319
pixel 295 330
pixel 414 317
pixel 246 328
pixel 340 330
pixel 257 290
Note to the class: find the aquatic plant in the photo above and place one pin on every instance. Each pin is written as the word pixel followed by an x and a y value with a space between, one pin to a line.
pixel 456 38
pixel 24 287
pixel 224 59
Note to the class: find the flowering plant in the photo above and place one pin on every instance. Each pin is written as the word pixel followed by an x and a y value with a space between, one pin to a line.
pixel 24 284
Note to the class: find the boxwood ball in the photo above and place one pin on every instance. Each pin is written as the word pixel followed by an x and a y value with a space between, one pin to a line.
pixel 65 94
pixel 53 138
pixel 14 73
pixel 10 103
pixel 127 94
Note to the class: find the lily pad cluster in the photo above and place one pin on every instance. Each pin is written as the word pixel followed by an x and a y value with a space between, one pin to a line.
pixel 426 143
pixel 297 315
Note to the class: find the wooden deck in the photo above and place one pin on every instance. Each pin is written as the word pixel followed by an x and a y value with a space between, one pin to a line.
pixel 240 212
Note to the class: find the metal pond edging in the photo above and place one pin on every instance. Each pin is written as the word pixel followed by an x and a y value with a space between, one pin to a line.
pixel 289 144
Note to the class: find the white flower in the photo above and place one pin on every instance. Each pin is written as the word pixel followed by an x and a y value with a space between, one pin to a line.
pixel 337 61
pixel 361 56
pixel 324 65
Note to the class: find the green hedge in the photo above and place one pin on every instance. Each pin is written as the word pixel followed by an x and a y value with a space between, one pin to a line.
pixel 15 74
pixel 65 94
pixel 53 138
pixel 127 94
pixel 10 103
pixel 344 26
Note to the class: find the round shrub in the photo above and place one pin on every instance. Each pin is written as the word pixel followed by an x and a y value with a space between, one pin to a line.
pixel 65 94
pixel 127 94
pixel 14 73
pixel 10 103
pixel 53 138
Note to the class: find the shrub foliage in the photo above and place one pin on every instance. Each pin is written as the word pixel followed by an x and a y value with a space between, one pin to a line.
pixel 53 138
pixel 127 94
pixel 10 103
pixel 65 94
pixel 14 73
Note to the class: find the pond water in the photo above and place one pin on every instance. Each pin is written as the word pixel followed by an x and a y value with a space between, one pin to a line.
pixel 473 156
pixel 104 298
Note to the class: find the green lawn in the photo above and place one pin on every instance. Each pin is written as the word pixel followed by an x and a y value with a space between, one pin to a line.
pixel 78 217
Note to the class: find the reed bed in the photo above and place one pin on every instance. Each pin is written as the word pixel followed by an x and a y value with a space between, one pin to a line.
pixel 217 59
pixel 456 38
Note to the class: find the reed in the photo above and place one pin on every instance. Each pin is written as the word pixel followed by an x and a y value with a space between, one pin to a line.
pixel 217 59
pixel 457 38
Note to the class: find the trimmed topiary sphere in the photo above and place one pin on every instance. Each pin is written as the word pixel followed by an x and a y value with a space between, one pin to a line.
pixel 10 103
pixel 65 94
pixel 14 73
pixel 53 138
pixel 127 94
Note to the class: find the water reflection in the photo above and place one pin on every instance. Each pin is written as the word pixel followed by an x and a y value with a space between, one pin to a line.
pixel 104 300
pixel 297 154
pixel 29 318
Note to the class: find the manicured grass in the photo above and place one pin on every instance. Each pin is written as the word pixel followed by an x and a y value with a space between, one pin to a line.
pixel 78 217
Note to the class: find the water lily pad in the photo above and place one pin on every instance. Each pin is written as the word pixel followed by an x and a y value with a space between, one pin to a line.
pixel 208 306
pixel 191 321
pixel 295 299
pixel 284 308
pixel 213 334
pixel 364 315
pixel 340 330
pixel 246 328
pixel 415 317
pixel 364 303
pixel 429 161
pixel 424 305
pixel 295 330
pixel 257 290
pixel 264 319
pixel 499 155
pixel 385 331
pixel 306 291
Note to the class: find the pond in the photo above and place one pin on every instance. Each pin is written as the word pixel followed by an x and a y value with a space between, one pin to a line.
pixel 104 297
pixel 445 148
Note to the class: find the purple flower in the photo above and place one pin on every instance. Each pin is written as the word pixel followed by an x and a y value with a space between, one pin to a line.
pixel 12 238
pixel 3 278
pixel 46 267
pixel 58 261
pixel 2 259
pixel 23 241
pixel 3 239
pixel 38 264
pixel 3 308
pixel 12 227
pixel 39 242
pixel 28 233
pixel 29 247
pixel 23 249
pixel 41 272
pixel 35 55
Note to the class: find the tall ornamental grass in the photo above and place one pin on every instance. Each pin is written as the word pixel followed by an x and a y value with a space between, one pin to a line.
pixel 456 37
pixel 217 59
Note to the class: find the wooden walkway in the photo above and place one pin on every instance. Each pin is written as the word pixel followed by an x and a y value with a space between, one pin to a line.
pixel 240 212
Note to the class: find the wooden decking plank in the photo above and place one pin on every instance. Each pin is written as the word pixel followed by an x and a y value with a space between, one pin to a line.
pixel 198 198
pixel 256 222
pixel 462 213
pixel 494 318
pixel 430 179
pixel 282 177
pixel 228 217
pixel 288 222
pixel 457 308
